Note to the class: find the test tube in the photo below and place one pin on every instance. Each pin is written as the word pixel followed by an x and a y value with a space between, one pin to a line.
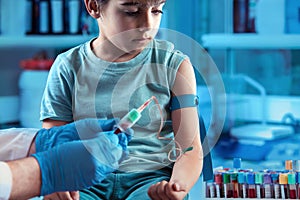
pixel 259 186
pixel 296 165
pixel 218 185
pixel 276 187
pixel 296 169
pixel 251 185
pixel 298 183
pixel 283 185
pixel 289 165
pixel 242 184
pixel 237 163
pixel 292 186
pixel 234 184
pixel 268 186
pixel 210 188
pixel 226 185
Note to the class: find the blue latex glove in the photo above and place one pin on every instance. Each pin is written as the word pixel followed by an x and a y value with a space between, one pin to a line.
pixel 81 129
pixel 80 164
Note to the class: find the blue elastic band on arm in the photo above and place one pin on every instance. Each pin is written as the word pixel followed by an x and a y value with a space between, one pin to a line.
pixel 184 101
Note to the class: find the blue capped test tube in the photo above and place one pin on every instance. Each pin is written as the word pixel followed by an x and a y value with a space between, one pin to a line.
pixel 237 163
pixel 242 184
pixel 251 185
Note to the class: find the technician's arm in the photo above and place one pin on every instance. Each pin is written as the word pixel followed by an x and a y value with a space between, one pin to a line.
pixel 71 166
pixel 16 176
pixel 187 168
pixel 48 123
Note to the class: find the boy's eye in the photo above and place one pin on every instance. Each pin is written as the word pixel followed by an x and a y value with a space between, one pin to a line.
pixel 157 12
pixel 129 13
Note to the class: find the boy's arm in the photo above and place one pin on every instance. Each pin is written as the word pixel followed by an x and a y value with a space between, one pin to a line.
pixel 188 167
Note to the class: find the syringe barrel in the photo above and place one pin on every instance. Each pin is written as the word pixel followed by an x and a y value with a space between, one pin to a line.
pixel 129 120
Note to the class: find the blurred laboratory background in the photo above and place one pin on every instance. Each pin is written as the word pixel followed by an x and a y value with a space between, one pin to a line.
pixel 254 44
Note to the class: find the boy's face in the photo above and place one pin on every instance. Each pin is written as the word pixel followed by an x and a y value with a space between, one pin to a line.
pixel 130 24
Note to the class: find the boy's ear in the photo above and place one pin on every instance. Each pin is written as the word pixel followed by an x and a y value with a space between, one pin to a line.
pixel 93 8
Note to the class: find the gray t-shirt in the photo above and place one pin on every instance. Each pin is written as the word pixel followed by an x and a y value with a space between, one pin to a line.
pixel 81 85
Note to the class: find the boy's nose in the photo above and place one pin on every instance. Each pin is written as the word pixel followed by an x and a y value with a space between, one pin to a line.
pixel 145 22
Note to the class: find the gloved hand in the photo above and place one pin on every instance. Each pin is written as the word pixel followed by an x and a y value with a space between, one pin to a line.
pixel 81 129
pixel 82 163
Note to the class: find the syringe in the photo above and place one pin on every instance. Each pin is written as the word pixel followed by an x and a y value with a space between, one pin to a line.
pixel 131 117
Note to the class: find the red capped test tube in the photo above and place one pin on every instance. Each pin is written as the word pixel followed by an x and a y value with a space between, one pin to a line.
pixel 218 184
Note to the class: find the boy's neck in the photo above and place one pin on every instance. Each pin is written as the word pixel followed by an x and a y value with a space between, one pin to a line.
pixel 105 50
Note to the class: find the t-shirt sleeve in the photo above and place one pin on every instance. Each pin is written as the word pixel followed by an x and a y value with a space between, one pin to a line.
pixel 176 58
pixel 57 98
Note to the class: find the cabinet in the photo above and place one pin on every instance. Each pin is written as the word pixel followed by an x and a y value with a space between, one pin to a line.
pixel 13 21
pixel 276 105
pixel 16 45
pixel 43 41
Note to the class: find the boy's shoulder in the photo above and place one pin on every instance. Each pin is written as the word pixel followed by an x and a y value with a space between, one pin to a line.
pixel 163 44
pixel 167 48
pixel 74 50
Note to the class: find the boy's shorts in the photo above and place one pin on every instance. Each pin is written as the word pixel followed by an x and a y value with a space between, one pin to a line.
pixel 129 186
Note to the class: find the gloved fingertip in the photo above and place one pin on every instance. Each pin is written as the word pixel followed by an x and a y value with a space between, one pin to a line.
pixel 129 132
pixel 107 124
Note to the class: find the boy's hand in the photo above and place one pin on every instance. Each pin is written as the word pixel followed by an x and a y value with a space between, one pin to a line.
pixel 166 190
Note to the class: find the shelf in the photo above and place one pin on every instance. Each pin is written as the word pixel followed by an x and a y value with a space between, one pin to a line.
pixel 55 41
pixel 251 41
